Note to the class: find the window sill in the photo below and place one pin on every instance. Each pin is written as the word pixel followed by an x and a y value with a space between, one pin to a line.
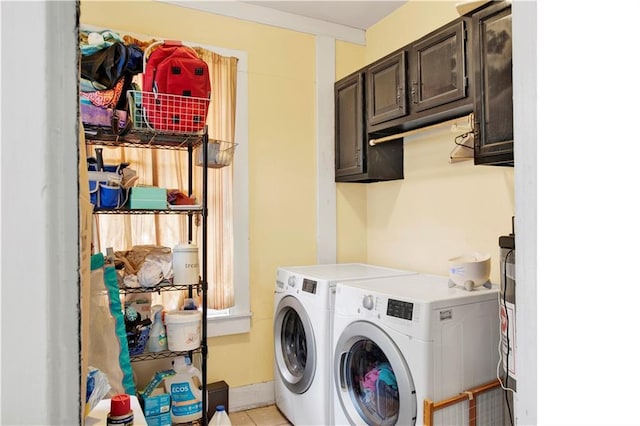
pixel 224 325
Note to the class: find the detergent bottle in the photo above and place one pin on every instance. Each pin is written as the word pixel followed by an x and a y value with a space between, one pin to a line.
pixel 220 417
pixel 184 388
pixel 158 334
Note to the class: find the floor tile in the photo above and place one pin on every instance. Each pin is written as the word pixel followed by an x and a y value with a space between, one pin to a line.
pixel 241 418
pixel 267 416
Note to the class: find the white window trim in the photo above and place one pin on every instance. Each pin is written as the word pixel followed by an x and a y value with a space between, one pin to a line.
pixel 238 318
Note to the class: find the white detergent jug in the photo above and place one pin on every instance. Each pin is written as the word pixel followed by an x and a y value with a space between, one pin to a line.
pixel 184 388
pixel 220 417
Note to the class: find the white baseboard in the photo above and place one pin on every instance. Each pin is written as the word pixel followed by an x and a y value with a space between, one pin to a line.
pixel 251 396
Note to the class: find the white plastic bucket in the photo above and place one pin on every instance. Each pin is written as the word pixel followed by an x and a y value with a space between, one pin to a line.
pixel 186 267
pixel 183 330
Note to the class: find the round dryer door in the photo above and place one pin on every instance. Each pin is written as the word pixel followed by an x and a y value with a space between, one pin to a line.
pixel 372 378
pixel 295 347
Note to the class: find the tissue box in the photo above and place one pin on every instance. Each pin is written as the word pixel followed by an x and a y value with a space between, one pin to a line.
pixel 157 404
pixel 148 198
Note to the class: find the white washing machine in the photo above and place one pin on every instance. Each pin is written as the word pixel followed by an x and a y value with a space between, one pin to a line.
pixel 400 340
pixel 303 319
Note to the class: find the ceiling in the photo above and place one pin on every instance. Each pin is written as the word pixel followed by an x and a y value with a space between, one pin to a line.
pixel 346 20
pixel 360 14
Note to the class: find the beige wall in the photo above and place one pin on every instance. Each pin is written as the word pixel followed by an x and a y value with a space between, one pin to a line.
pixel 281 157
pixel 439 210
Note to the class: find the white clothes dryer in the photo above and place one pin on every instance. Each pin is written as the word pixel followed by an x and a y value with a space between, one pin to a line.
pixel 303 320
pixel 398 341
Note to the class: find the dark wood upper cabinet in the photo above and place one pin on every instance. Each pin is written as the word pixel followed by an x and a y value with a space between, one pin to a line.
pixel 386 83
pixel 438 68
pixel 349 125
pixel 356 160
pixel 423 83
pixel 465 66
pixel 493 135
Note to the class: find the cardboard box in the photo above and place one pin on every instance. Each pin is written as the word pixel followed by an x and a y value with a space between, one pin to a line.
pixel 148 198
pixel 158 403
pixel 159 420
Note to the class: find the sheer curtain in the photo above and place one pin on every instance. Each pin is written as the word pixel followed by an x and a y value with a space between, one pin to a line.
pixel 222 123
pixel 169 169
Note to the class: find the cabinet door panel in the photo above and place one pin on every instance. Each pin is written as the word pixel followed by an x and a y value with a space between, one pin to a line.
pixel 386 97
pixel 440 76
pixel 349 126
pixel 494 102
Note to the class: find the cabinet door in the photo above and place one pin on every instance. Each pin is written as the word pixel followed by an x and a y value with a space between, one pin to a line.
pixel 386 96
pixel 494 86
pixel 438 68
pixel 349 125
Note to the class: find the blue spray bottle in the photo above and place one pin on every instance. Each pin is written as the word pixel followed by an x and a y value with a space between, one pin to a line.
pixel 158 333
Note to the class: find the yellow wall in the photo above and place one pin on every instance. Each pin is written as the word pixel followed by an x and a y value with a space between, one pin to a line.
pixel 408 23
pixel 439 210
pixel 351 200
pixel 281 78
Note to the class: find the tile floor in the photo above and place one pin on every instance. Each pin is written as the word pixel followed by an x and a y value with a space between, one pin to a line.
pixel 261 416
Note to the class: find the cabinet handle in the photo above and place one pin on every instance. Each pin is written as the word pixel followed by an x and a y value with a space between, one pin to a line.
pixel 414 92
pixel 399 97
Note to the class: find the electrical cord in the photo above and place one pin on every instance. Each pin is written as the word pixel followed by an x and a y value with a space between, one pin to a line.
pixel 505 385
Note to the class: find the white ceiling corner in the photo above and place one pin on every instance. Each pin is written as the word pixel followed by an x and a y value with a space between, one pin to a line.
pixel 343 20
pixel 360 14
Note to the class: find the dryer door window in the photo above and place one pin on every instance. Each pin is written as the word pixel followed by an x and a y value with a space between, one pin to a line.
pixel 373 382
pixel 295 349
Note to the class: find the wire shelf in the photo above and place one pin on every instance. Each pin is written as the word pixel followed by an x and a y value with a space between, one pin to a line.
pixel 145 211
pixel 145 356
pixel 141 138
pixel 159 288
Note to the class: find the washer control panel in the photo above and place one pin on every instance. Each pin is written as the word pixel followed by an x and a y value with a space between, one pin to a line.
pixel 309 285
pixel 400 309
